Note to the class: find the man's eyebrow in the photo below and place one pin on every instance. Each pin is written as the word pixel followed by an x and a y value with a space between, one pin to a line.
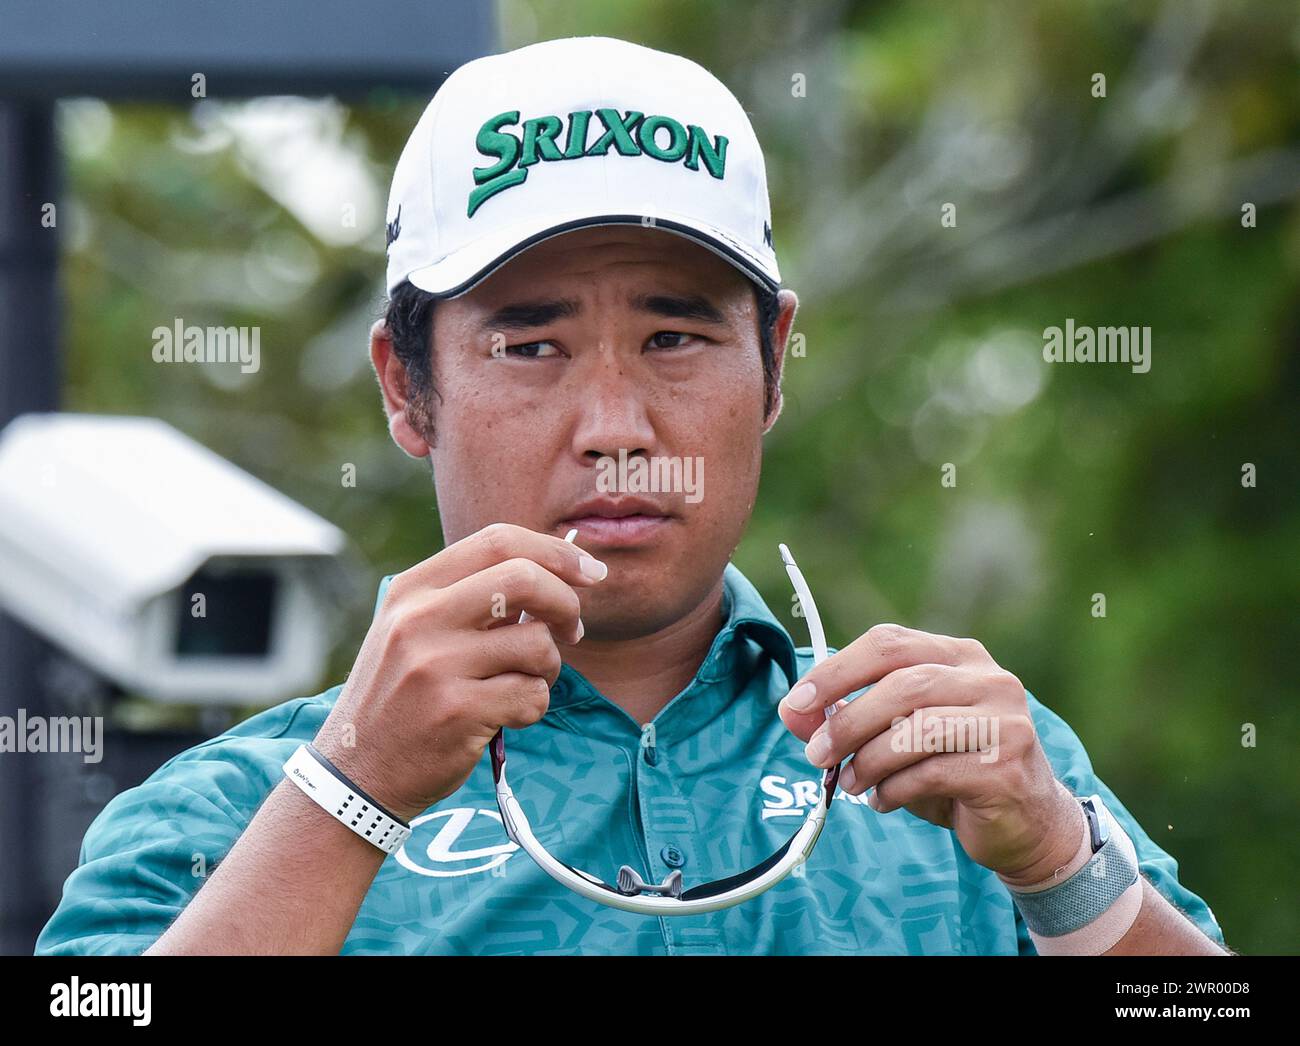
pixel 525 315
pixel 686 307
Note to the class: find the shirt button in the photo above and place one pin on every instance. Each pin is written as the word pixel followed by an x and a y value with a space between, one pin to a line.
pixel 672 857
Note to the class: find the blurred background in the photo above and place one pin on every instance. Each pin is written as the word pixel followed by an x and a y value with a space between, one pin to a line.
pixel 922 348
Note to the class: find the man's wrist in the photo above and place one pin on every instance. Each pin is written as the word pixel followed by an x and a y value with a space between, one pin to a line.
pixel 332 789
pixel 358 768
pixel 1068 850
pixel 1089 911
pixel 307 812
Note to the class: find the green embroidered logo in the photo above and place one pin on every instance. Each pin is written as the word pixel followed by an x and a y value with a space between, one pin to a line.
pixel 632 134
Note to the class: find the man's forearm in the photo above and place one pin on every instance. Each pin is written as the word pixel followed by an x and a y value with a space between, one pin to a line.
pixel 291 884
pixel 1161 929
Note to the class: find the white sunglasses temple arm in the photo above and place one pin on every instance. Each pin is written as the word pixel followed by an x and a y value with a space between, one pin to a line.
pixel 810 614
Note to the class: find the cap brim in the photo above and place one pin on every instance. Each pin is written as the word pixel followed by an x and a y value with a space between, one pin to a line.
pixel 459 272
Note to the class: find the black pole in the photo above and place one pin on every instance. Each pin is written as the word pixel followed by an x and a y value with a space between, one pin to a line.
pixel 149 49
pixel 29 381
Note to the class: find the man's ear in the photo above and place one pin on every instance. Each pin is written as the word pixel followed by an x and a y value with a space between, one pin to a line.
pixel 787 305
pixel 407 421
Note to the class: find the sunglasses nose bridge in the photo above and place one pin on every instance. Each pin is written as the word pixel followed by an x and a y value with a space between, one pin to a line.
pixel 632 884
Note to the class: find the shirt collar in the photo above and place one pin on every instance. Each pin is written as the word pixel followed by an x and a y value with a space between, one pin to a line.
pixel 748 616
pixel 725 669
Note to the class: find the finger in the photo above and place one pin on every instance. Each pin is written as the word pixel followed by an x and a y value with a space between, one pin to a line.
pixel 497 595
pixel 872 656
pixel 804 724
pixel 527 648
pixel 909 739
pixel 496 544
pixel 899 694
pixel 946 775
pixel 513 699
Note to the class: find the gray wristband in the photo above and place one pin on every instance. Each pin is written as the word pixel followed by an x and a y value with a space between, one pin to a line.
pixel 1080 899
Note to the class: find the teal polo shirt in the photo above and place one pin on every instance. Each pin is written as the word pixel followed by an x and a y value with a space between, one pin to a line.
pixel 716 786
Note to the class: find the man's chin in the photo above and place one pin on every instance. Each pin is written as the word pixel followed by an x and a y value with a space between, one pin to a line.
pixel 640 606
pixel 622 629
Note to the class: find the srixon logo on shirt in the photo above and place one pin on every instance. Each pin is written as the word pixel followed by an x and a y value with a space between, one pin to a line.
pixel 630 134
pixel 786 798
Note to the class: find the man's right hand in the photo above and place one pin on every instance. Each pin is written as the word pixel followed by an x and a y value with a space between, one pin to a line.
pixel 446 663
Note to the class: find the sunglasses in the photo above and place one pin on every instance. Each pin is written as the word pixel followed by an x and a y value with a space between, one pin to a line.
pixel 629 891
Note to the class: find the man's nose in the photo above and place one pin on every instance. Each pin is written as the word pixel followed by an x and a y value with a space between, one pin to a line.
pixel 614 414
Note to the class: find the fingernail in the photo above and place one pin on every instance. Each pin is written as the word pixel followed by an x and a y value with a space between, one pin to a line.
pixel 801 697
pixel 818 748
pixel 581 628
pixel 848 778
pixel 592 567
pixel 872 801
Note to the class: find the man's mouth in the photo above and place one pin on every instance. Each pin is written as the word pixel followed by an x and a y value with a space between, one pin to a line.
pixel 613 522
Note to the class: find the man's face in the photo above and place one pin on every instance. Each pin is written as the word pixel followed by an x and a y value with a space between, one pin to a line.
pixel 598 341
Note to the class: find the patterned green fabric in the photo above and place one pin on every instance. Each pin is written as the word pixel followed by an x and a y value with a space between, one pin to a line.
pixel 723 784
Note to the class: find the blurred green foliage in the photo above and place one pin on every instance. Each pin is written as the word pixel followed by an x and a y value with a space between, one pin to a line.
pixel 922 348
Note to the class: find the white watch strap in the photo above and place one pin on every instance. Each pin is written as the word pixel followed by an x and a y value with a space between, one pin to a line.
pixel 333 792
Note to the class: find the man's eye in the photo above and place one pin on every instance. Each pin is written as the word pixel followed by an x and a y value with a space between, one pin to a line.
pixel 659 342
pixel 533 350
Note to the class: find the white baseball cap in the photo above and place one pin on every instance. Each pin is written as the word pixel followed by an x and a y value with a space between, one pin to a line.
pixel 518 147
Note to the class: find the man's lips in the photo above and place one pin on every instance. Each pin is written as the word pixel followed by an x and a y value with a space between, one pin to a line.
pixel 617 531
pixel 615 522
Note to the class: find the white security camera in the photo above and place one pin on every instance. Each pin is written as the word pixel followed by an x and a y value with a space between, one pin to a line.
pixel 161 565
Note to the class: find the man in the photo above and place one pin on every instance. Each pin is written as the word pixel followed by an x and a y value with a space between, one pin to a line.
pixel 581 273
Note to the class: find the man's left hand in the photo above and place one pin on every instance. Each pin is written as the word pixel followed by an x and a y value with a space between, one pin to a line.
pixel 979 768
